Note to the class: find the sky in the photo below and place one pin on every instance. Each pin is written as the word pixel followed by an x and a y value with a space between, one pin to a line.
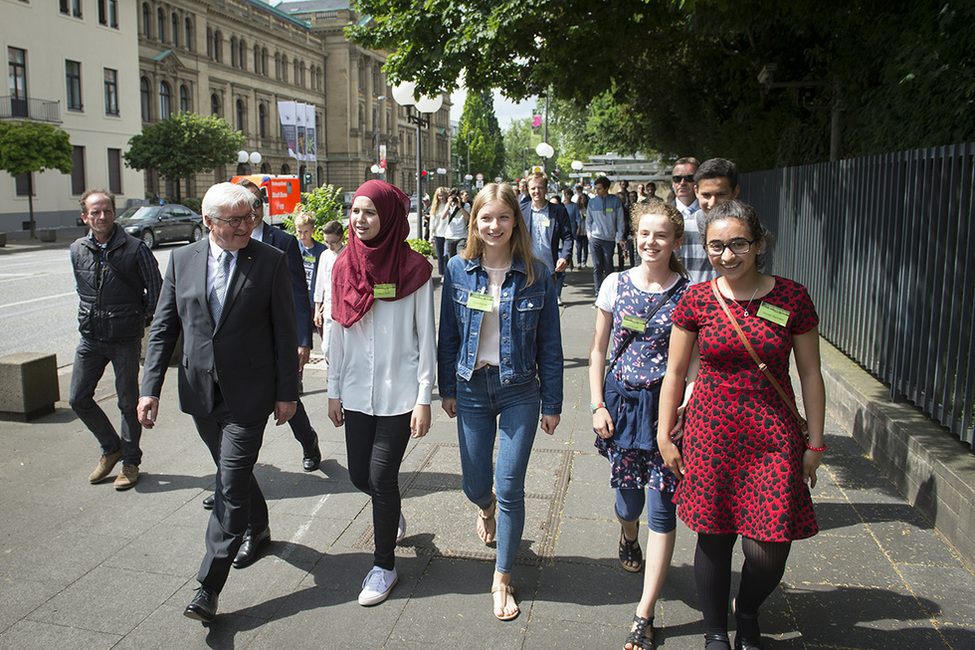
pixel 504 109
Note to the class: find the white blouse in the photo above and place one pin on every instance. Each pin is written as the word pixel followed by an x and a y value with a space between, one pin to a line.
pixel 385 364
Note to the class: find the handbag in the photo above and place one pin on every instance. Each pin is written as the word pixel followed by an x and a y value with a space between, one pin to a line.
pixel 761 366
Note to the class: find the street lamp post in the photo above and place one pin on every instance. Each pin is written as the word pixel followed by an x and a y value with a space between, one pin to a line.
pixel 404 96
pixel 375 128
pixel 544 151
pixel 253 158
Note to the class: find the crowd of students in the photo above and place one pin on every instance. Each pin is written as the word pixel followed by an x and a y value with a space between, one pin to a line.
pixel 693 421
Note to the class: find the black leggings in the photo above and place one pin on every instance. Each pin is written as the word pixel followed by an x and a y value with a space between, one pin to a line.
pixel 375 446
pixel 760 575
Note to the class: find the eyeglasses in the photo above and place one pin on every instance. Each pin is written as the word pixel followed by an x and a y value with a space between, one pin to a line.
pixel 738 246
pixel 686 178
pixel 235 222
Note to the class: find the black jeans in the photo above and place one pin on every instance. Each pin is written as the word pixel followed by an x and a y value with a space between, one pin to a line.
pixel 90 360
pixel 375 446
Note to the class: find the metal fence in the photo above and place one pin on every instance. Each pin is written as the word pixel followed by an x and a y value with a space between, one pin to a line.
pixel 41 110
pixel 885 247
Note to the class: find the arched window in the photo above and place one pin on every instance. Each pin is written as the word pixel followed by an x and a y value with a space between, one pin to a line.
pixel 233 51
pixel 189 34
pixel 185 104
pixel 215 108
pixel 145 91
pixel 175 31
pixel 218 46
pixel 264 61
pixel 242 54
pixel 161 24
pixel 296 77
pixel 284 68
pixel 257 59
pixel 262 120
pixel 165 100
pixel 265 168
pixel 285 169
pixel 146 20
pixel 320 177
pixel 302 82
pixel 241 116
pixel 209 43
pixel 277 65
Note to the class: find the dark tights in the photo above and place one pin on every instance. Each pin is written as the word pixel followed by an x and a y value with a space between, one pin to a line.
pixel 760 575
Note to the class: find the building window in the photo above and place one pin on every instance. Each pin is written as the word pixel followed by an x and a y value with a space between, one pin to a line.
pixel 209 43
pixel 23 184
pixel 233 52
pixel 161 25
pixel 72 80
pixel 285 169
pixel 111 92
pixel 284 68
pixel 165 101
pixel 108 13
pixel 146 94
pixel 295 76
pixel 115 171
pixel 262 120
pixel 174 20
pixel 78 171
pixel 264 61
pixel 17 74
pixel 146 20
pixel 218 46
pixel 71 8
pixel 277 66
pixel 242 54
pixel 185 104
pixel 215 108
pixel 241 116
pixel 189 33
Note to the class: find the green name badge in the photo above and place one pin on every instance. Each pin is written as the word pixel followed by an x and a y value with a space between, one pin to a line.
pixel 634 323
pixel 609 209
pixel 384 291
pixel 775 314
pixel 309 258
pixel 480 302
pixel 546 223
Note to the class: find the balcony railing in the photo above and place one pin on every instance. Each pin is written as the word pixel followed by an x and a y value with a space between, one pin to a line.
pixel 41 110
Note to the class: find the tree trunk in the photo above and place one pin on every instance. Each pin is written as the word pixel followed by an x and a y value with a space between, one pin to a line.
pixel 30 203
pixel 179 196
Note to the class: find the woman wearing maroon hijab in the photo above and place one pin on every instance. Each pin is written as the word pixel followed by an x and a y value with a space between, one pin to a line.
pixel 382 356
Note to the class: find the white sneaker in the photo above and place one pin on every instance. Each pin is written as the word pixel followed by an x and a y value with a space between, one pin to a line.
pixel 401 529
pixel 377 585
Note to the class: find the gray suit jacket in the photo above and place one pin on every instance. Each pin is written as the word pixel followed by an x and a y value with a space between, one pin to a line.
pixel 251 351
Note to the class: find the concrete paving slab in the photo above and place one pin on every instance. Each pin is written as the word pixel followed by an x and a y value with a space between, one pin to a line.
pixel 35 634
pixel 20 597
pixel 166 628
pixel 946 593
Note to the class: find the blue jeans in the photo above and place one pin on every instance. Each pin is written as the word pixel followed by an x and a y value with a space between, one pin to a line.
pixel 90 360
pixel 486 408
pixel 602 260
pixel 582 249
pixel 439 246
pixel 661 509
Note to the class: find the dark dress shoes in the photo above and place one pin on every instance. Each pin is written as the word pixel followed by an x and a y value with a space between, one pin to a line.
pixel 746 643
pixel 203 607
pixel 312 459
pixel 208 503
pixel 251 548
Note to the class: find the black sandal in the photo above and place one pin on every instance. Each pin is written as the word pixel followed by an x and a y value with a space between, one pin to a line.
pixel 638 637
pixel 630 552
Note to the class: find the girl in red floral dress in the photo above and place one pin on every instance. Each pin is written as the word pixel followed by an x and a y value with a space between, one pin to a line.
pixel 747 466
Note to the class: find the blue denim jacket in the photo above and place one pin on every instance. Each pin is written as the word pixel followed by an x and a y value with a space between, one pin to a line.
pixel 531 336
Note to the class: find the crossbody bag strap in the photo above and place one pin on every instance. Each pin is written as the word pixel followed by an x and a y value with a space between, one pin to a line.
pixel 754 355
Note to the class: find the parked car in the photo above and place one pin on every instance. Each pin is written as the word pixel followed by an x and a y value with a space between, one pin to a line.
pixel 155 224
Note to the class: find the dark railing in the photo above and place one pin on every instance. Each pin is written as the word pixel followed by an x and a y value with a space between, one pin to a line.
pixel 885 246
pixel 41 110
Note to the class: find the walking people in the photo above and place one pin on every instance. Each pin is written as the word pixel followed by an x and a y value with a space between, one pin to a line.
pixel 748 460
pixel 500 362
pixel 635 308
pixel 382 359
pixel 582 241
pixel 604 228
pixel 333 233
pixel 118 284
pixel 455 230
pixel 438 227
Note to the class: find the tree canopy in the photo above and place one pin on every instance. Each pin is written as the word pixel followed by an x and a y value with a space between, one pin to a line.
pixel 479 127
pixel 27 147
pixel 753 80
pixel 183 145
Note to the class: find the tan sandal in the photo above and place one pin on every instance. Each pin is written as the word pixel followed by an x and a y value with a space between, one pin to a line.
pixel 487 523
pixel 505 591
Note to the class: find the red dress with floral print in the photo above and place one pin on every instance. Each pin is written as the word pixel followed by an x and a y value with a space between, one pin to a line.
pixel 742 446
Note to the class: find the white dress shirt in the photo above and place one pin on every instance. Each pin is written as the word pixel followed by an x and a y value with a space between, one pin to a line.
pixel 213 264
pixel 385 363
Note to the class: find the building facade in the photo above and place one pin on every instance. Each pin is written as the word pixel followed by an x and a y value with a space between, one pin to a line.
pixel 73 64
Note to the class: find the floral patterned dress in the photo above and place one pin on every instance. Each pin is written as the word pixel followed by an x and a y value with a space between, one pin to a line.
pixel 632 388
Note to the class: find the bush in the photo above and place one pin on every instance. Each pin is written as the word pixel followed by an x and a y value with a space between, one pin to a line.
pixel 324 202
pixel 421 246
pixel 194 204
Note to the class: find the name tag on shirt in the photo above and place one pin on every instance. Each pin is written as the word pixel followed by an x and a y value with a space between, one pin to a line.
pixel 309 258
pixel 609 209
pixel 634 323
pixel 480 302
pixel 384 291
pixel 546 223
pixel 774 314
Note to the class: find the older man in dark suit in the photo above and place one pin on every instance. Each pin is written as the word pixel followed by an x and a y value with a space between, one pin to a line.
pixel 231 299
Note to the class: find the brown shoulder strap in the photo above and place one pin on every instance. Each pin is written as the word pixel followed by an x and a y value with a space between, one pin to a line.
pixel 754 355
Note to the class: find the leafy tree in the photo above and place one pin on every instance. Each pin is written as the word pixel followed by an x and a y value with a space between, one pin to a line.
pixel 184 145
pixel 27 147
pixel 324 202
pixel 692 76
pixel 479 126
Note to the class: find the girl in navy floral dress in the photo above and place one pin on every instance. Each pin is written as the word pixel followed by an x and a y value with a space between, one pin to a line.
pixel 635 308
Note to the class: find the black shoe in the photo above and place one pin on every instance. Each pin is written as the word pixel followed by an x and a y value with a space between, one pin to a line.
pixel 744 643
pixel 203 607
pixel 251 549
pixel 716 642
pixel 208 503
pixel 312 458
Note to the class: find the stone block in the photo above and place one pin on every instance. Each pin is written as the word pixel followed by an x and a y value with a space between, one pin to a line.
pixel 47 234
pixel 28 385
pixel 3 239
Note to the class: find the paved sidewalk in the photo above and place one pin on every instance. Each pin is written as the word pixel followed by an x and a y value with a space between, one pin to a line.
pixel 85 566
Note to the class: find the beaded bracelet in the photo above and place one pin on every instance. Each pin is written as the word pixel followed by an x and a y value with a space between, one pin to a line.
pixel 823 448
pixel 597 406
